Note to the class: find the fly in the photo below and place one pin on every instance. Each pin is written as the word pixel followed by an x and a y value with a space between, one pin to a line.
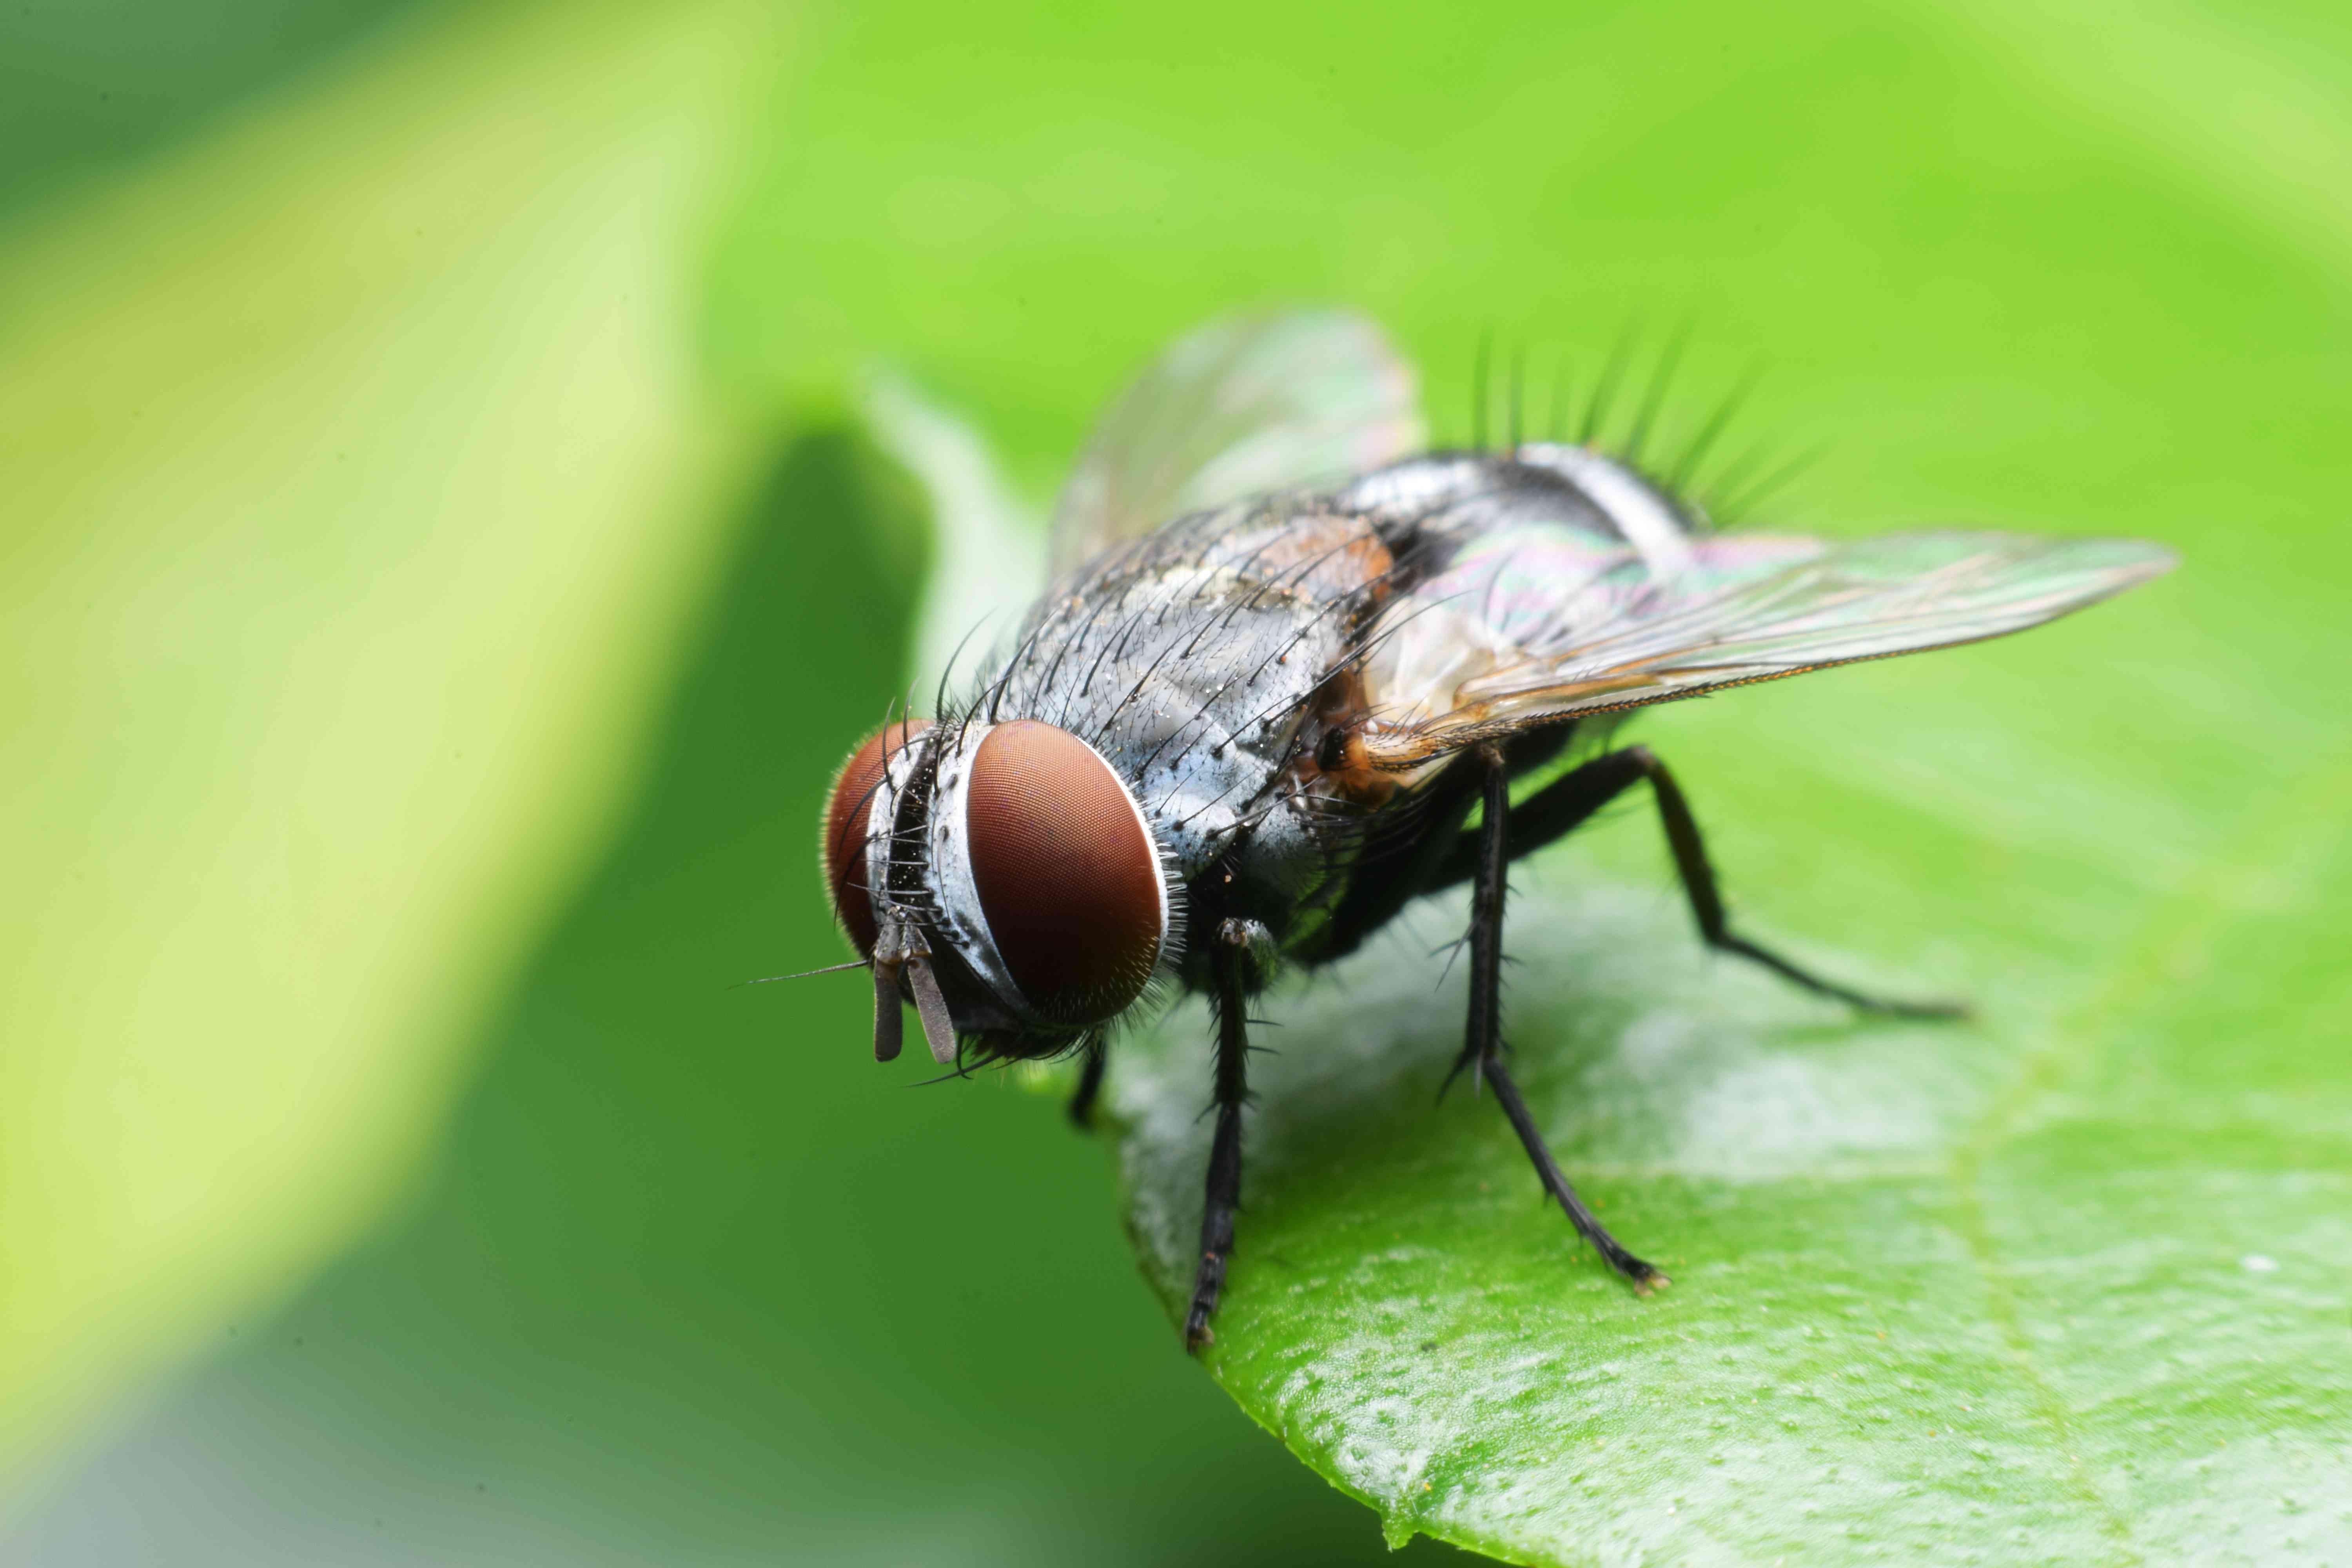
pixel 1287 655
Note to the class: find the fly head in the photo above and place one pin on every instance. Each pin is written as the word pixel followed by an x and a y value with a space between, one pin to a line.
pixel 1000 876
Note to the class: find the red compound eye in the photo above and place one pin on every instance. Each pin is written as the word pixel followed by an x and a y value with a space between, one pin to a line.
pixel 846 824
pixel 1067 874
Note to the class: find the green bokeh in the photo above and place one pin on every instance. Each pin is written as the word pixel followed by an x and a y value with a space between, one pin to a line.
pixel 89 83
pixel 683 1277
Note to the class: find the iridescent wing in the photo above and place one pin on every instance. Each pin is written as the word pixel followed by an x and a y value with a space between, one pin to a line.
pixel 1240 406
pixel 1539 623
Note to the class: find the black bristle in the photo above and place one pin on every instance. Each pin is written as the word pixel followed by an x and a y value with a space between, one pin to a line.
pixel 1686 466
pixel 1661 377
pixel 1604 391
pixel 1737 505
pixel 1481 370
pixel 1518 395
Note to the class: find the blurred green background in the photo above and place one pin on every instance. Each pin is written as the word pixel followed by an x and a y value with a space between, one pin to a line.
pixel 444 564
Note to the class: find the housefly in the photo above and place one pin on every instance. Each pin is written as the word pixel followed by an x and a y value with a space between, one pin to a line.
pixel 1286 658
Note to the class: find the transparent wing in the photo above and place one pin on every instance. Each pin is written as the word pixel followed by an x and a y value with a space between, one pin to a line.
pixel 1535 628
pixel 1239 406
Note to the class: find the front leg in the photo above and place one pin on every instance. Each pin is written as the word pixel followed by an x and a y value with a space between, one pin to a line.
pixel 1481 1043
pixel 1235 976
pixel 1090 1078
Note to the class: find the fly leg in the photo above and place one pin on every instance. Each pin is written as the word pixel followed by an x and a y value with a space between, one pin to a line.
pixel 1481 1043
pixel 1232 961
pixel 1090 1078
pixel 1565 803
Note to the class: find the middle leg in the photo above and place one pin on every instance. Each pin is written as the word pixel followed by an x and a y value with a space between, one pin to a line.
pixel 1481 1043
pixel 1570 800
pixel 1234 966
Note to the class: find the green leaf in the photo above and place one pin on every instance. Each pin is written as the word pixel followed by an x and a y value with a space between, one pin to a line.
pixel 2060 1285
pixel 692 1270
pixel 359 478
pixel 2101 1226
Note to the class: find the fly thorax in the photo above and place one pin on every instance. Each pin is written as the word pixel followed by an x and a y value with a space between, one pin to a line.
pixel 1209 715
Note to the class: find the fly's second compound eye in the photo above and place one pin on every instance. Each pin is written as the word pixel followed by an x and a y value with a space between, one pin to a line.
pixel 848 813
pixel 1068 874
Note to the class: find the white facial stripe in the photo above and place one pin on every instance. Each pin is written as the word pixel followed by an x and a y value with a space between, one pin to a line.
pixel 882 815
pixel 1649 525
pixel 949 868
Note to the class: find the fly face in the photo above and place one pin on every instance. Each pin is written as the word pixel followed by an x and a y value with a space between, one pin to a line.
pixel 1283 664
pixel 1003 876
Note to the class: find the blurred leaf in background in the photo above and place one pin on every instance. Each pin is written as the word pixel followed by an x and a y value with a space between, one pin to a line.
pixel 353 463
pixel 687 1277
pixel 88 83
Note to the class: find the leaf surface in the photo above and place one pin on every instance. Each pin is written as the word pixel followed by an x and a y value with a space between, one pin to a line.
pixel 2059 1285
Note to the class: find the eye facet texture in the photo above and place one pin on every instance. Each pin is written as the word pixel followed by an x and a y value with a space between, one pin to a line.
pixel 1067 874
